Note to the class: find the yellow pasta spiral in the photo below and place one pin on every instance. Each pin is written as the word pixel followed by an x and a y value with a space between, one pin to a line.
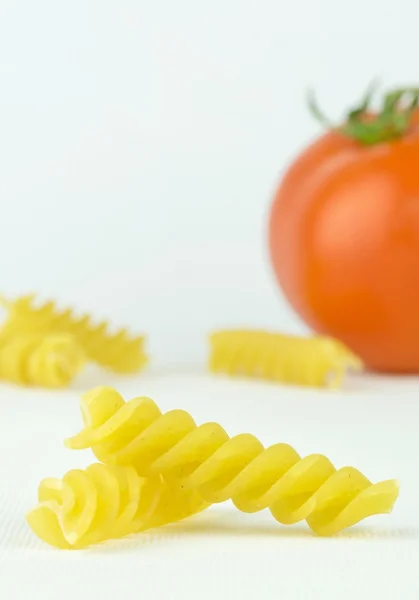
pixel 106 502
pixel 315 361
pixel 206 459
pixel 47 361
pixel 118 351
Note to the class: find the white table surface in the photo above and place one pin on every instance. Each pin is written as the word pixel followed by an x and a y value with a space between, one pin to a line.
pixel 373 424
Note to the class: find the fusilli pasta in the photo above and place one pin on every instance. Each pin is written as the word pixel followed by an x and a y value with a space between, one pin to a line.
pixel 315 361
pixel 204 458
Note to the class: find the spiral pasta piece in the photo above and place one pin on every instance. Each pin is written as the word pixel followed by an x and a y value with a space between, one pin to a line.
pixel 204 458
pixel 105 502
pixel 118 351
pixel 316 361
pixel 47 361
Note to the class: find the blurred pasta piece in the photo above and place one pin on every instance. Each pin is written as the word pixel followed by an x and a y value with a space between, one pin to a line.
pixel 51 361
pixel 119 351
pixel 316 361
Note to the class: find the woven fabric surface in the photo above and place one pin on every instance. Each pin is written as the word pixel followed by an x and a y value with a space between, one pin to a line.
pixel 372 424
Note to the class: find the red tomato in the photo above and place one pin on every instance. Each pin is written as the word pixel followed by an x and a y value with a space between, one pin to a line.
pixel 344 242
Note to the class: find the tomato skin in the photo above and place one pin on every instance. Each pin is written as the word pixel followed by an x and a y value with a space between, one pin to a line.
pixel 344 244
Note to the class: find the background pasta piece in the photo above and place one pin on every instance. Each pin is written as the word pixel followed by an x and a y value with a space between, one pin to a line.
pixel 51 360
pixel 314 361
pixel 119 352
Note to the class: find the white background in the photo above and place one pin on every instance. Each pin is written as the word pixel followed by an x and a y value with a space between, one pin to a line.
pixel 140 145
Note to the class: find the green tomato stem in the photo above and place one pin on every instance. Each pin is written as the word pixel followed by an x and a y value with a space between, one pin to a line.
pixel 391 122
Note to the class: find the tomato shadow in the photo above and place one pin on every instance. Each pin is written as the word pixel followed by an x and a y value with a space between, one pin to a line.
pixel 378 383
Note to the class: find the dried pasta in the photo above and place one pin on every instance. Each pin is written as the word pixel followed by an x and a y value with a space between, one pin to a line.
pixel 204 458
pixel 315 361
pixel 105 502
pixel 118 351
pixel 47 361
